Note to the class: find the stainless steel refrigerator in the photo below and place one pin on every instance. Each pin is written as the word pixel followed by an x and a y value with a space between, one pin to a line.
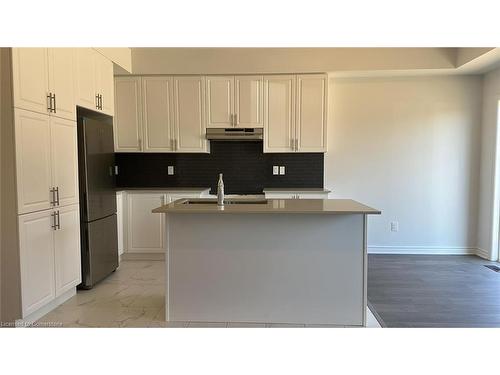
pixel 96 167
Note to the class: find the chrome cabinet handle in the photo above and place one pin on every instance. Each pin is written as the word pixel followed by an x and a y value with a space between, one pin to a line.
pixel 57 195
pixel 55 107
pixel 54 225
pixel 100 102
pixel 97 101
pixel 58 220
pixel 53 192
pixel 49 102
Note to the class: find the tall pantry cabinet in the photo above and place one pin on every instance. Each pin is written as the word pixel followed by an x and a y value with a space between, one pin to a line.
pixel 39 117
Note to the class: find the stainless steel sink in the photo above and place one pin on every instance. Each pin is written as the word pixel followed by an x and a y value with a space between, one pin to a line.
pixel 226 201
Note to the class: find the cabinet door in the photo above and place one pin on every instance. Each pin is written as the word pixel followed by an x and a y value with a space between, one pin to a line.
pixel 119 220
pixel 249 101
pixel 64 156
pixel 279 113
pixel 145 230
pixel 67 249
pixel 127 123
pixel 105 83
pixel 189 119
pixel 36 246
pixel 33 164
pixel 85 78
pixel 62 81
pixel 157 113
pixel 30 79
pixel 311 113
pixel 220 106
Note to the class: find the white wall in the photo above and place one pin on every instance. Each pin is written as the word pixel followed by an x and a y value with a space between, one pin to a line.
pixel 488 204
pixel 287 60
pixel 410 147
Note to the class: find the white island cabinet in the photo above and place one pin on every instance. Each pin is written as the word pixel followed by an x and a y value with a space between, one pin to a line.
pixel 271 261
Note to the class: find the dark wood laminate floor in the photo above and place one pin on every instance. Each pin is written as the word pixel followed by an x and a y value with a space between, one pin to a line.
pixel 434 290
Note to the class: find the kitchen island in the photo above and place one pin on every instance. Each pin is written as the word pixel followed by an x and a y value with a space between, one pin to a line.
pixel 267 261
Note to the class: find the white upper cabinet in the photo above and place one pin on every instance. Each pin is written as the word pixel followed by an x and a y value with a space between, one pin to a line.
pixel 36 248
pixel 33 161
pixel 249 101
pixel 94 81
pixel 64 156
pixel 30 75
pixel 189 121
pixel 104 84
pixel 279 113
pixel 67 249
pixel 157 114
pixel 61 63
pixel 220 101
pixel 86 95
pixel 127 124
pixel 311 122
pixel 234 101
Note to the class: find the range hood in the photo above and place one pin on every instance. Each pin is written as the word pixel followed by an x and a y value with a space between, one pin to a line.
pixel 234 134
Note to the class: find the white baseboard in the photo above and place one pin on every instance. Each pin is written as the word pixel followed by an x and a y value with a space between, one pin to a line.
pixel 142 256
pixel 424 250
pixel 35 315
pixel 483 253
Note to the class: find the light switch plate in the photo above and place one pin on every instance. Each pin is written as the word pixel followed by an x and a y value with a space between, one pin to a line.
pixel 282 170
pixel 170 170
pixel 276 170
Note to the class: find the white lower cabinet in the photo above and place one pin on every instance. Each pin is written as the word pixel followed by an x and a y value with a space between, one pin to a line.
pixel 119 220
pixel 36 242
pixel 49 244
pixel 145 230
pixel 67 249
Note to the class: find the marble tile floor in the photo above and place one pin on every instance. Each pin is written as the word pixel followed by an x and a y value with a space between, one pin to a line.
pixel 134 296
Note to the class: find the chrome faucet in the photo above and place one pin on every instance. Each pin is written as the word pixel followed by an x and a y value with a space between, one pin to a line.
pixel 220 191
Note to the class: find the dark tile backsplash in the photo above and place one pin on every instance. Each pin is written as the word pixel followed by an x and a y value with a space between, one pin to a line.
pixel 245 167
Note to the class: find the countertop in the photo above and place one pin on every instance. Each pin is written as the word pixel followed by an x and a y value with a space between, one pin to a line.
pixel 296 190
pixel 273 206
pixel 167 189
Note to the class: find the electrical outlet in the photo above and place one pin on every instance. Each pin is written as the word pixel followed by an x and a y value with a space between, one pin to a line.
pixel 394 226
pixel 282 170
pixel 170 170
pixel 276 170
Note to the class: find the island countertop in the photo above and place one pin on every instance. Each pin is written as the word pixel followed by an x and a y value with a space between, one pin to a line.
pixel 273 206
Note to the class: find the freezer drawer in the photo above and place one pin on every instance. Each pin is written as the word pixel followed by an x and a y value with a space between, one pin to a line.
pixel 99 250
